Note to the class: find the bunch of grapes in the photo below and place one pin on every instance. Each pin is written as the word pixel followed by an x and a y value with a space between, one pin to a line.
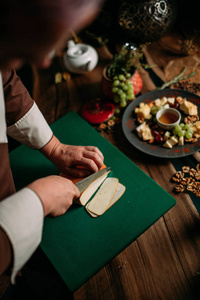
pixel 183 130
pixel 123 89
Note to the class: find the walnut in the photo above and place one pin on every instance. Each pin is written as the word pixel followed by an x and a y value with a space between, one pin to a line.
pixel 183 181
pixel 198 167
pixel 190 188
pixel 194 140
pixel 179 174
pixel 197 175
pixel 186 169
pixel 102 126
pixel 151 104
pixel 192 172
pixel 191 119
pixel 190 184
pixel 179 188
pixel 188 140
pixel 111 123
pixel 190 180
pixel 175 179
pixel 151 141
pixel 140 119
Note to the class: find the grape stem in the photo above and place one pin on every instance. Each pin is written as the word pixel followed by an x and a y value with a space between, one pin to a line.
pixel 177 78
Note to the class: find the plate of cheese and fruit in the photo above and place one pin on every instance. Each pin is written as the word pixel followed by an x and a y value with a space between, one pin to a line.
pixel 164 123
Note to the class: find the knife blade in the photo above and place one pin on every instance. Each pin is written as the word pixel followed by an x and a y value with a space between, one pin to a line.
pixel 83 184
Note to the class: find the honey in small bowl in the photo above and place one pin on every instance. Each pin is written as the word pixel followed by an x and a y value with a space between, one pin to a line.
pixel 167 118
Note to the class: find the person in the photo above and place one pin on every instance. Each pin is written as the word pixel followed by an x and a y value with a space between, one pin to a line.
pixel 29 32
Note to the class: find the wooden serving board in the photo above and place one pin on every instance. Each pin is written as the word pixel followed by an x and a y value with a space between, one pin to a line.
pixel 75 243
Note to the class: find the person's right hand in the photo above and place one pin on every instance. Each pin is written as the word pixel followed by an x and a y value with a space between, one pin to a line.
pixel 56 194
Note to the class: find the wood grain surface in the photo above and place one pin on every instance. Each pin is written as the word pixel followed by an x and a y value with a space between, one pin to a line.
pixel 164 262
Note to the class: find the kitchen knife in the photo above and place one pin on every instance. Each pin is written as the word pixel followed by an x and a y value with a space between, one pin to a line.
pixel 83 184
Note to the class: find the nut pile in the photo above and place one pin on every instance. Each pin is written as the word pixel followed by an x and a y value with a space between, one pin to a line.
pixel 188 180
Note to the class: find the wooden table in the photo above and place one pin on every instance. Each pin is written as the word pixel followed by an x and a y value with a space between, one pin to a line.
pixel 164 262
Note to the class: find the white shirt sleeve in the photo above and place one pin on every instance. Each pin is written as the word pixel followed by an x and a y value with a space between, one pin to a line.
pixel 32 129
pixel 3 136
pixel 21 217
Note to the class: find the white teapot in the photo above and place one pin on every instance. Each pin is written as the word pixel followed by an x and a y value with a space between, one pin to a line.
pixel 80 58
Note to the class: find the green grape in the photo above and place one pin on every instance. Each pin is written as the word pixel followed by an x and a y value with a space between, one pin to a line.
pixel 184 132
pixel 114 89
pixel 123 103
pixel 119 92
pixel 122 77
pixel 130 96
pixel 117 111
pixel 123 96
pixel 130 86
pixel 115 77
pixel 180 133
pixel 153 110
pixel 188 135
pixel 125 87
pixel 177 127
pixel 186 126
pixel 190 130
pixel 116 82
pixel 128 75
pixel 182 125
pixel 116 99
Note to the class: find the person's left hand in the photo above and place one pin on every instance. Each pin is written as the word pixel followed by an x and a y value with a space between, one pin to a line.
pixel 68 159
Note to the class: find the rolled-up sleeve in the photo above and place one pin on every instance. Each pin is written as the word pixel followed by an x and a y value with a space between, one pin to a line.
pixel 25 122
pixel 32 129
pixel 21 218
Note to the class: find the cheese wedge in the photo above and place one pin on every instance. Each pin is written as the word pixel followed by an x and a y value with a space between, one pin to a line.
pixel 104 196
pixel 91 189
pixel 120 191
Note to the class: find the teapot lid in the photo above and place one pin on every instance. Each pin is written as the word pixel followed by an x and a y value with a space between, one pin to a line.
pixel 76 50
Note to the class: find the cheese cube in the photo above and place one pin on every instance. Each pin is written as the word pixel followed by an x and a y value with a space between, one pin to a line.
pixel 157 102
pixel 166 105
pixel 171 100
pixel 171 142
pixel 167 144
pixel 163 101
pixel 188 108
pixel 166 136
pixel 181 140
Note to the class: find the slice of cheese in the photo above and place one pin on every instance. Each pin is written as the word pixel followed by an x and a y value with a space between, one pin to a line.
pixel 119 192
pixel 181 140
pixel 104 196
pixel 171 142
pixel 91 189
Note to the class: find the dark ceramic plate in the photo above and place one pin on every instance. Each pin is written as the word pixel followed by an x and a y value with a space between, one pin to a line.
pixel 129 125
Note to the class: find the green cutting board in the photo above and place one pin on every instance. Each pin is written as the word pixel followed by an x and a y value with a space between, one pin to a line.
pixel 77 244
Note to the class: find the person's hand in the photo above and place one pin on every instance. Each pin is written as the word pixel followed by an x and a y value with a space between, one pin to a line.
pixel 56 194
pixel 68 159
